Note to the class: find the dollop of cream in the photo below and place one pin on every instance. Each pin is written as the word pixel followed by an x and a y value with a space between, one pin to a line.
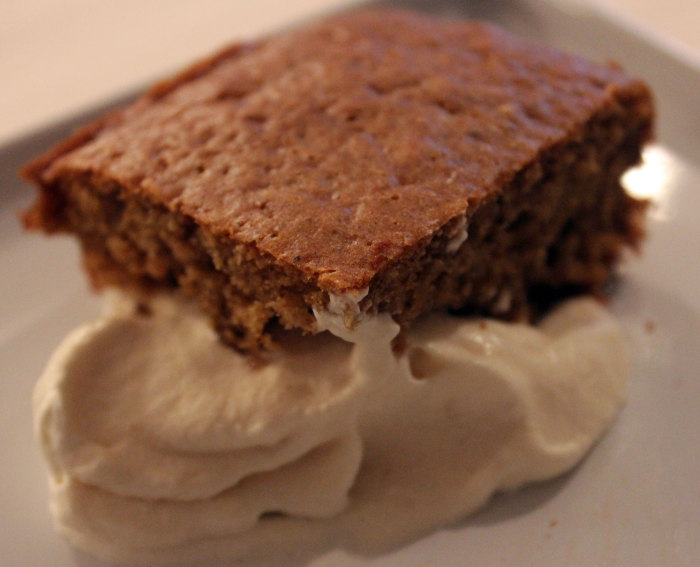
pixel 165 447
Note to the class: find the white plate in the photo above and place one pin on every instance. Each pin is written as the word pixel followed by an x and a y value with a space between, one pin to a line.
pixel 635 501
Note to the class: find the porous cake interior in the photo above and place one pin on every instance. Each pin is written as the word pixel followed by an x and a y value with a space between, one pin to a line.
pixel 501 185
pixel 561 222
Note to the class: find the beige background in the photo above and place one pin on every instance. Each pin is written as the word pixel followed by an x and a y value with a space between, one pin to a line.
pixel 59 56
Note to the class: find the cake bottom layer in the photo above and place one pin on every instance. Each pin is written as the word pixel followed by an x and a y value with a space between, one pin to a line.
pixel 559 224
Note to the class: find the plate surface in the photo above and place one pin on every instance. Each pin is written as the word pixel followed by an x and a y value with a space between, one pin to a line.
pixel 635 501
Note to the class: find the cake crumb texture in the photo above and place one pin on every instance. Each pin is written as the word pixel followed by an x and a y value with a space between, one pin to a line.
pixel 437 163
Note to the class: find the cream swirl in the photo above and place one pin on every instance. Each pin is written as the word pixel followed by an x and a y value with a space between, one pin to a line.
pixel 165 446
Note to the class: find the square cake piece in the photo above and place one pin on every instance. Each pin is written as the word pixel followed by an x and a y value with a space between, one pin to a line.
pixel 400 161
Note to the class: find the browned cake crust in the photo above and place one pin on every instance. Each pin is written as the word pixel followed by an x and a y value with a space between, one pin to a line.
pixel 354 154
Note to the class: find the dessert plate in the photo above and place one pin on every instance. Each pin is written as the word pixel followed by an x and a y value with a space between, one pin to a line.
pixel 635 501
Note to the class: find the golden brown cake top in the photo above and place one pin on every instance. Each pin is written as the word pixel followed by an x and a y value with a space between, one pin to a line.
pixel 338 147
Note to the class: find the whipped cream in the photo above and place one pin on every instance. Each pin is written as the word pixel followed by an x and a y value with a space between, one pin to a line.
pixel 457 236
pixel 166 447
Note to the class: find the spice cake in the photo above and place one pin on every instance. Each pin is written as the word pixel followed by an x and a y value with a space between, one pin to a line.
pixel 406 162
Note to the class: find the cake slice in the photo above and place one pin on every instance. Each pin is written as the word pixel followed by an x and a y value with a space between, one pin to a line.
pixel 379 158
